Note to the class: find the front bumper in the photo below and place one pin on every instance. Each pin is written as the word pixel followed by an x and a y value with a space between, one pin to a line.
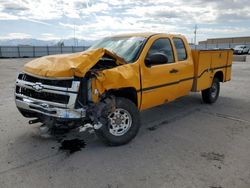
pixel 32 106
pixel 45 100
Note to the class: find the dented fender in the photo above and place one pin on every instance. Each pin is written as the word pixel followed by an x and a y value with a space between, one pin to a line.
pixel 125 76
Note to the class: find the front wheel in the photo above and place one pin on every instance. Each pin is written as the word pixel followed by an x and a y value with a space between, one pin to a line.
pixel 211 94
pixel 123 123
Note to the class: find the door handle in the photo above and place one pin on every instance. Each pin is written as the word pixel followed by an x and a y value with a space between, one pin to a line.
pixel 173 71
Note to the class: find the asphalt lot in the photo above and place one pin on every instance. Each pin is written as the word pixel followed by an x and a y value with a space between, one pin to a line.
pixel 182 144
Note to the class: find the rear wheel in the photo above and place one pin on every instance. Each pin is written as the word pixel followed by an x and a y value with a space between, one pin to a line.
pixel 123 123
pixel 211 94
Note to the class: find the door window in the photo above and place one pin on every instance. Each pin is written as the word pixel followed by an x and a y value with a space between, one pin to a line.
pixel 163 46
pixel 180 48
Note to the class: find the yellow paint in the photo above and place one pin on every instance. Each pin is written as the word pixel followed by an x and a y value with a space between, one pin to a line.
pixel 67 65
pixel 207 63
pixel 119 77
pixel 160 74
pixel 156 86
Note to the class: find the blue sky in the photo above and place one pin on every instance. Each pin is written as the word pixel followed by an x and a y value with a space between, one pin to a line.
pixel 94 19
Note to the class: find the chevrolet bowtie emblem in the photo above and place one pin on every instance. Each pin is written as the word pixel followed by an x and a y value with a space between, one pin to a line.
pixel 37 87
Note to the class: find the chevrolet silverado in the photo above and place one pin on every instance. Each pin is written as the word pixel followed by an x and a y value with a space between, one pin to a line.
pixel 105 87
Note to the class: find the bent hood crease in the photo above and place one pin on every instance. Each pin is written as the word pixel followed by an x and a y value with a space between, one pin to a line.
pixel 68 65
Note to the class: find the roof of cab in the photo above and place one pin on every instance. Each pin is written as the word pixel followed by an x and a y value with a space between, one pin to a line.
pixel 145 34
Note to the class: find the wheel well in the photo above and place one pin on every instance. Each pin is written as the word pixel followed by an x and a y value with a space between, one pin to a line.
pixel 219 75
pixel 129 93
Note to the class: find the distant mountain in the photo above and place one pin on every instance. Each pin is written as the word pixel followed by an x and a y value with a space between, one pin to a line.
pixel 37 42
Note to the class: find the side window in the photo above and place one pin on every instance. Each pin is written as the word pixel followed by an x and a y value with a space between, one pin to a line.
pixel 162 46
pixel 180 48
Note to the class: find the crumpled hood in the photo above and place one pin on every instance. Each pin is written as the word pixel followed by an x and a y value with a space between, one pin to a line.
pixel 68 65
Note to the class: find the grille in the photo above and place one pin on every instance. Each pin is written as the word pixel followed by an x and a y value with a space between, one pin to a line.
pixel 58 98
pixel 58 83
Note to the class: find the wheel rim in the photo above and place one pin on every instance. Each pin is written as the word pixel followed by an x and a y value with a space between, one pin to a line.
pixel 214 90
pixel 120 122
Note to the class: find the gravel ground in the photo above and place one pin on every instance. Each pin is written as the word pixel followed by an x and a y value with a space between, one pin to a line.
pixel 182 144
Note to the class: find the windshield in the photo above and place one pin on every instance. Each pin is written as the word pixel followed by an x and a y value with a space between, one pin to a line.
pixel 125 47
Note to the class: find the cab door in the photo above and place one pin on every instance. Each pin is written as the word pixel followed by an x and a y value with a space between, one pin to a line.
pixel 159 81
pixel 184 60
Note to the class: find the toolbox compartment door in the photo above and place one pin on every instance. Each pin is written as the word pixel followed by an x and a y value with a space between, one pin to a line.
pixel 207 63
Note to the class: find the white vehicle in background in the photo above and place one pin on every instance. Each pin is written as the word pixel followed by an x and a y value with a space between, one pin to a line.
pixel 241 49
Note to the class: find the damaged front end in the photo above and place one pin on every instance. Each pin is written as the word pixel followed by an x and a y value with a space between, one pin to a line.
pixel 57 91
pixel 40 96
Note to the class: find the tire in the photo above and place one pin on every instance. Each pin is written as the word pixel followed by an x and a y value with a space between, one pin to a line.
pixel 211 94
pixel 125 115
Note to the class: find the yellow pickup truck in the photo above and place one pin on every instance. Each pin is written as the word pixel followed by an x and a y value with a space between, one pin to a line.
pixel 105 87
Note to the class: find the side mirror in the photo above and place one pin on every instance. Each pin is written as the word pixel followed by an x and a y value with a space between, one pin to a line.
pixel 156 59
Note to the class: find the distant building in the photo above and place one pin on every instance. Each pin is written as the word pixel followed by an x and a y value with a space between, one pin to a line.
pixel 232 40
pixel 224 42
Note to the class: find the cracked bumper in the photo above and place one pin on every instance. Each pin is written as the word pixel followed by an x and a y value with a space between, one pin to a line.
pixel 33 106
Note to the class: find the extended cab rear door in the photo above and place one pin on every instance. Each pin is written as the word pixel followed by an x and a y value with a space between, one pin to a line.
pixel 185 65
pixel 160 82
